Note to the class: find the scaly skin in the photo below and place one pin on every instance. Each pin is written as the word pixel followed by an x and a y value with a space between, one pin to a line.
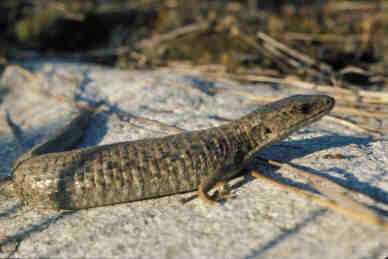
pixel 151 168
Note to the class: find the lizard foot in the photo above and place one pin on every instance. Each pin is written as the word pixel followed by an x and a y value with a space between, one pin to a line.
pixel 204 196
pixel 223 188
pixel 256 174
pixel 222 192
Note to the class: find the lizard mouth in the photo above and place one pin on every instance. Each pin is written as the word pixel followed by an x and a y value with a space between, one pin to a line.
pixel 315 117
pixel 319 115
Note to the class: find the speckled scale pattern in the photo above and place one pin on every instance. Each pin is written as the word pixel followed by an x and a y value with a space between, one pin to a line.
pixel 149 168
pixel 126 171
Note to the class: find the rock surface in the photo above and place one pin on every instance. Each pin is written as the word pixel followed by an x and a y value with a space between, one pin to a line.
pixel 260 220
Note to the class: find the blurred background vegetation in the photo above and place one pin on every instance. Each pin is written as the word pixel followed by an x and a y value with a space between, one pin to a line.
pixel 330 41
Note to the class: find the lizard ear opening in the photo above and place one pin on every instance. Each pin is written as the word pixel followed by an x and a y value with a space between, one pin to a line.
pixel 267 130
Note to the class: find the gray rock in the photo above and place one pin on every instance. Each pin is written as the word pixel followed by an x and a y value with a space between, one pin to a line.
pixel 260 220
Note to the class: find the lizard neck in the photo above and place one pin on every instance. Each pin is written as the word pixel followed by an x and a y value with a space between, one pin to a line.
pixel 239 135
pixel 252 132
pixel 259 129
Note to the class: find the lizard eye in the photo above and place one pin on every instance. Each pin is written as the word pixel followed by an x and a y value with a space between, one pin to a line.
pixel 306 108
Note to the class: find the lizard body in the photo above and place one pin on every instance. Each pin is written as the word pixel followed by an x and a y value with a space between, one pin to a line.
pixel 150 168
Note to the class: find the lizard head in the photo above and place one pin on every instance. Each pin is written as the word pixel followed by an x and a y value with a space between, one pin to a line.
pixel 277 120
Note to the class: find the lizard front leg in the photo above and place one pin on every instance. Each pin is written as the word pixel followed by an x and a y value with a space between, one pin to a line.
pixel 206 185
pixel 216 180
pixel 204 196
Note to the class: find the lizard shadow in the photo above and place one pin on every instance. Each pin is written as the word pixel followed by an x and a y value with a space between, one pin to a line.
pixel 292 149
pixel 24 140
pixel 303 147
pixel 10 211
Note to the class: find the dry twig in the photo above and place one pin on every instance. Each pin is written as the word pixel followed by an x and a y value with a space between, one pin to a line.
pixel 362 129
pixel 362 6
pixel 322 37
pixel 360 113
pixel 294 57
pixel 161 38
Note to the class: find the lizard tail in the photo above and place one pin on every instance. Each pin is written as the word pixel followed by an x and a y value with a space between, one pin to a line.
pixel 7 187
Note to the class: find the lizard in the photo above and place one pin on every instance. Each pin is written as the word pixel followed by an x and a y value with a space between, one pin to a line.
pixel 53 175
